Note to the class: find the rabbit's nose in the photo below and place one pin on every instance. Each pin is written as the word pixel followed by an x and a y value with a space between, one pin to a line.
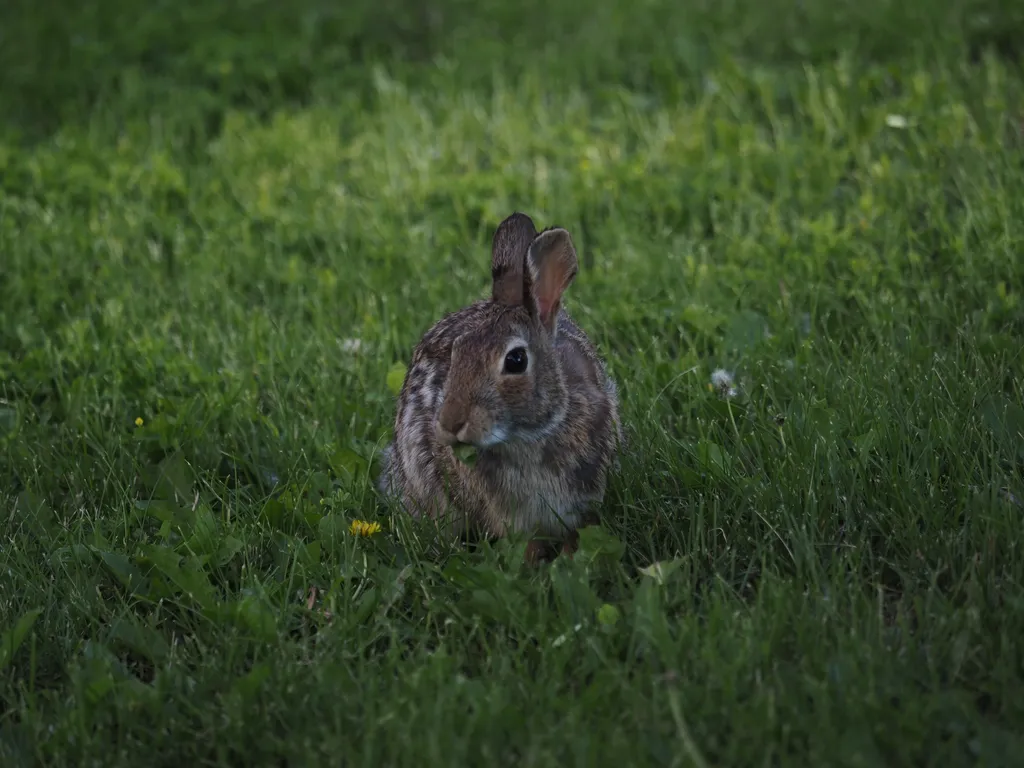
pixel 449 433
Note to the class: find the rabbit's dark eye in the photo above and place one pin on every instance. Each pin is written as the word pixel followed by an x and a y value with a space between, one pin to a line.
pixel 515 361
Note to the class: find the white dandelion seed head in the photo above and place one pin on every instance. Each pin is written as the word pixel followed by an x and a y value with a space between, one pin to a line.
pixel 721 378
pixel 723 382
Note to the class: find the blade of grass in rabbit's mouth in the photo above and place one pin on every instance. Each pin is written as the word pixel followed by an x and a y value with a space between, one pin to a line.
pixel 466 454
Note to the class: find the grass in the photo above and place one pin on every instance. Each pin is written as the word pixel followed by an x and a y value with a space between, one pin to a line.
pixel 223 225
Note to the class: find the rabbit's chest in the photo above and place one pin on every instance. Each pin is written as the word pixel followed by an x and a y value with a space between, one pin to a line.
pixel 528 497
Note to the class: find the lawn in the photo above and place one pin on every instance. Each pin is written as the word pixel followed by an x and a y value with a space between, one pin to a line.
pixel 223 227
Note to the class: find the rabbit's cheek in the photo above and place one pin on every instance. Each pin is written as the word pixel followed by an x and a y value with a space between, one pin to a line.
pixel 513 391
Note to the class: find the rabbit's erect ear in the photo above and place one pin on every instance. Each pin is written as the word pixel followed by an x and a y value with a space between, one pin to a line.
pixel 552 266
pixel 512 238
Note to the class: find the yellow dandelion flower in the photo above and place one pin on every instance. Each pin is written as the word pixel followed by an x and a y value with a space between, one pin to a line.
pixel 363 528
pixel 139 422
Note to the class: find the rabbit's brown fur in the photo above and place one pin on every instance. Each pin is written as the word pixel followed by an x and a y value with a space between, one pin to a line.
pixel 546 436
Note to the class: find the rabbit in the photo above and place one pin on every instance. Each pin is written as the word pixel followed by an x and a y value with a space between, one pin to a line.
pixel 515 378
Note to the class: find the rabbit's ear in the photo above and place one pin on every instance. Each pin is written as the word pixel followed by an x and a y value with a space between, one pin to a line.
pixel 512 238
pixel 552 266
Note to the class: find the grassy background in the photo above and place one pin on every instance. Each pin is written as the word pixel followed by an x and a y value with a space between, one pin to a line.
pixel 231 220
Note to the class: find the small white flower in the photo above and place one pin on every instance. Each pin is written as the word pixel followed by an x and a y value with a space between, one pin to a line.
pixel 351 346
pixel 564 636
pixel 897 121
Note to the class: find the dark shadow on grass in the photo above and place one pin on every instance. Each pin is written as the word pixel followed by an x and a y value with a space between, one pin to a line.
pixel 60 61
